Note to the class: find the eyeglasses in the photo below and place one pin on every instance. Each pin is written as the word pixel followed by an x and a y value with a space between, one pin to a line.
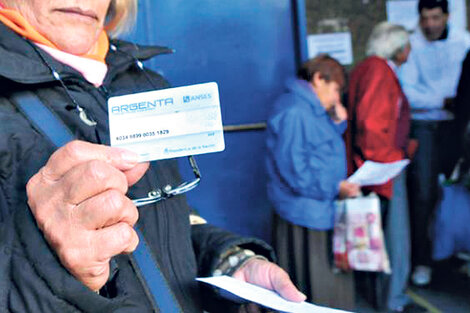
pixel 169 191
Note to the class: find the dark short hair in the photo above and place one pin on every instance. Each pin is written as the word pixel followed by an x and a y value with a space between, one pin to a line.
pixel 329 68
pixel 431 4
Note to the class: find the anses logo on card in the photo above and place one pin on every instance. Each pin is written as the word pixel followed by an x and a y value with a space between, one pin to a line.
pixel 187 99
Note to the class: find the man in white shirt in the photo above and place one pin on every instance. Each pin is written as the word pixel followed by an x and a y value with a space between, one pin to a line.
pixel 432 72
pixel 429 80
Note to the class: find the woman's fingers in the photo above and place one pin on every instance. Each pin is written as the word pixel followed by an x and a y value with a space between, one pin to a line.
pixel 270 276
pixel 90 179
pixel 284 286
pixel 77 152
pixel 105 209
pixel 135 174
pixel 87 256
pixel 78 200
pixel 115 239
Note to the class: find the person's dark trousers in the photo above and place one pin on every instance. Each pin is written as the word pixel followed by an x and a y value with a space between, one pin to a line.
pixel 435 155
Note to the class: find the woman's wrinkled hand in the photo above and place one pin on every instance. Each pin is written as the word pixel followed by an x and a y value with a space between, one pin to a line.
pixel 79 202
pixel 270 276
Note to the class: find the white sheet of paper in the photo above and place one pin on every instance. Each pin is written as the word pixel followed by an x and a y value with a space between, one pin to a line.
pixel 263 296
pixel 338 45
pixel 403 12
pixel 458 14
pixel 374 173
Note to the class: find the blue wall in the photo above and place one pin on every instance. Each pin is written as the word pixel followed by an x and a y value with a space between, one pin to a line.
pixel 249 48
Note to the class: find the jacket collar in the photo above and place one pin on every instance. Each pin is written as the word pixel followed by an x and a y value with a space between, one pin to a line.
pixel 19 61
pixel 303 89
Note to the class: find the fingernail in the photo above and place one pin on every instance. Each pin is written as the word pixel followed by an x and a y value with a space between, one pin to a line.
pixel 303 295
pixel 129 156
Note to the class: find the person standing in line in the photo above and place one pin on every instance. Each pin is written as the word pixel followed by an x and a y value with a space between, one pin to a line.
pixel 429 80
pixel 379 131
pixel 306 165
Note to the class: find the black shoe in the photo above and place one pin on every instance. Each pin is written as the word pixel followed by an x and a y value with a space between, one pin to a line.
pixel 410 308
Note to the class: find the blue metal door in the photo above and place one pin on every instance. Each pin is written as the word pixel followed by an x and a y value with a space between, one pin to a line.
pixel 249 48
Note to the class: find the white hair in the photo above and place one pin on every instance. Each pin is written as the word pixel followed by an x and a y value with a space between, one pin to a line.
pixel 387 40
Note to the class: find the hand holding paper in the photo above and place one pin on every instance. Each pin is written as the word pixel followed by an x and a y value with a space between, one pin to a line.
pixel 263 296
pixel 269 275
pixel 348 189
pixel 374 173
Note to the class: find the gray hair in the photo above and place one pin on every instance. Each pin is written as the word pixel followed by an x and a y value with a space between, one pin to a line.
pixel 387 40
pixel 121 17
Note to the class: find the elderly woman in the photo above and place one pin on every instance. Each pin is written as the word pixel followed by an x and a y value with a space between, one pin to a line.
pixel 67 224
pixel 307 167
pixel 379 129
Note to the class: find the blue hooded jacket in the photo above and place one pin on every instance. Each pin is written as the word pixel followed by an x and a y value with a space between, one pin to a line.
pixel 306 159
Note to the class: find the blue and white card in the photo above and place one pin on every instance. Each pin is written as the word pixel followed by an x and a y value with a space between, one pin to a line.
pixel 168 123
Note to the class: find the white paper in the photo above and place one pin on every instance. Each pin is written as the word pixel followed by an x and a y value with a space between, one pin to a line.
pixel 263 296
pixel 458 13
pixel 405 12
pixel 337 45
pixel 374 173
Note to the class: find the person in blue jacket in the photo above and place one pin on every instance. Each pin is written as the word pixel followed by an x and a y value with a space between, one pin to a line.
pixel 306 164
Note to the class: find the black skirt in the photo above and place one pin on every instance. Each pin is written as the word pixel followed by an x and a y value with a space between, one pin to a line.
pixel 306 255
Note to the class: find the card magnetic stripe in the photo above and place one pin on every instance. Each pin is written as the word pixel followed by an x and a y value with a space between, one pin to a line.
pixel 50 125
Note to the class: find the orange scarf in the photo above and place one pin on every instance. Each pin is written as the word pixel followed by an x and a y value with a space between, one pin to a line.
pixel 14 20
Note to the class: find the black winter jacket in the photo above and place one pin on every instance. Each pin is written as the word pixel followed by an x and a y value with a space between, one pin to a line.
pixel 31 276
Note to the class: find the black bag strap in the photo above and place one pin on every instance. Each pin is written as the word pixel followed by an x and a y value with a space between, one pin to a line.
pixel 52 127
